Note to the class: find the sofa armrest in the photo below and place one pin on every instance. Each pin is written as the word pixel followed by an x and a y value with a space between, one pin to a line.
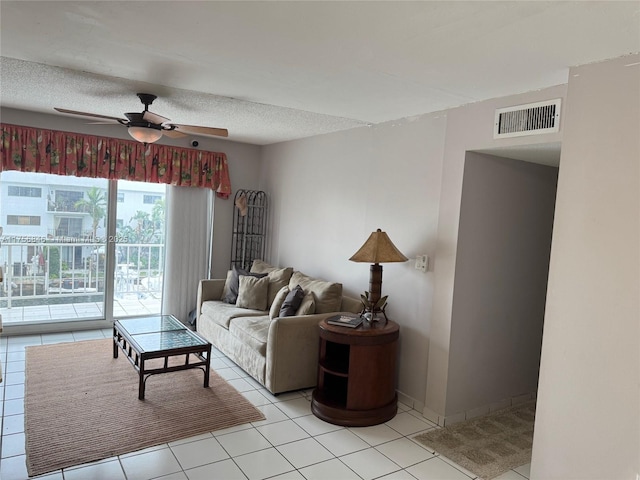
pixel 208 290
pixel 292 352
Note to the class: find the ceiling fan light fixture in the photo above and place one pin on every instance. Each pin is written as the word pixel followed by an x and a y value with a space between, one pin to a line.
pixel 145 134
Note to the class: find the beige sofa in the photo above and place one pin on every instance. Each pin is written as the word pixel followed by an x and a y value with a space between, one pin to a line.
pixel 279 352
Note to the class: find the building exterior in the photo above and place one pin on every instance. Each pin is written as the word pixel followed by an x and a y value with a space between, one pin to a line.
pixel 36 207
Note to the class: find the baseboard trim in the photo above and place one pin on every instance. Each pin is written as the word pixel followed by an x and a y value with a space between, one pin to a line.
pixel 443 421
pixel 410 401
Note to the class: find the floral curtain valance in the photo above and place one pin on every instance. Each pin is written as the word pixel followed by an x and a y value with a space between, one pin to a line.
pixel 65 153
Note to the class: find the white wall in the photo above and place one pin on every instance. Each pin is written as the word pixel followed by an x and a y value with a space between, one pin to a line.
pixel 328 193
pixel 502 265
pixel 588 416
pixel 243 161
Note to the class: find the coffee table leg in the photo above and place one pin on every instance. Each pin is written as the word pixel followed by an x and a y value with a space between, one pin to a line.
pixel 206 369
pixel 141 384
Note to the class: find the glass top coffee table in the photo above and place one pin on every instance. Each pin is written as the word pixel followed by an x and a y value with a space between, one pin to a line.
pixel 160 336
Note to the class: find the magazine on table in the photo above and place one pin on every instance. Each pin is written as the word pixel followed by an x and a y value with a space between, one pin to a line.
pixel 351 321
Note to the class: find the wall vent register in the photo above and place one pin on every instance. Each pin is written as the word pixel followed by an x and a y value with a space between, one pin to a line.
pixel 529 119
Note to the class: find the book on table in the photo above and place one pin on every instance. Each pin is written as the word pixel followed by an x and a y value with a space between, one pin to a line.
pixel 351 321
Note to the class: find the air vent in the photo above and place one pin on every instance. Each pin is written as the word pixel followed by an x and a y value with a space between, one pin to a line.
pixel 530 119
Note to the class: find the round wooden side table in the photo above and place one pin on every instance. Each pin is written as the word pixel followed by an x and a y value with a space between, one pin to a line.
pixel 357 374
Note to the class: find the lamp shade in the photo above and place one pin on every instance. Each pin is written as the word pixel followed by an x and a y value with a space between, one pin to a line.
pixel 378 249
pixel 145 134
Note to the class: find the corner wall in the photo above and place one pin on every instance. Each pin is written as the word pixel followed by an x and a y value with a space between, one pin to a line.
pixel 469 128
pixel 588 415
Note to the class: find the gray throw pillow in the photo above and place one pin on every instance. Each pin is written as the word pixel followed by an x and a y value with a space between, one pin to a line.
pixel 227 282
pixel 292 302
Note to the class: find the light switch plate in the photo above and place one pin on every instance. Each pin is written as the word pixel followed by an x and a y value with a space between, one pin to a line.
pixel 422 263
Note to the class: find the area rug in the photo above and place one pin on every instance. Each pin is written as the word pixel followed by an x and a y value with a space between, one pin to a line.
pixel 488 445
pixel 82 405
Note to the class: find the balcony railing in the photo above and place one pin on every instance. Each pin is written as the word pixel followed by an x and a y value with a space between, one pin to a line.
pixel 65 206
pixel 69 272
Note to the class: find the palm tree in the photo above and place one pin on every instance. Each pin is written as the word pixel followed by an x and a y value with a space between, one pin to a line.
pixel 157 219
pixel 142 225
pixel 95 205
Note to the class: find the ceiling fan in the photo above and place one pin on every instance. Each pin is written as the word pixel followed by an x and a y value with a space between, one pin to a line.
pixel 148 127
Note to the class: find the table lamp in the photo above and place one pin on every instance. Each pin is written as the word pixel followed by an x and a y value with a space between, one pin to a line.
pixel 376 250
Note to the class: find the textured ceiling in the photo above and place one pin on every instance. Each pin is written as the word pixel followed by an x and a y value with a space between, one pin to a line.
pixel 277 71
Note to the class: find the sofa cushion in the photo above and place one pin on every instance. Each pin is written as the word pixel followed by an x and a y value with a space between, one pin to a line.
pixel 328 295
pixel 252 292
pixel 221 313
pixel 274 312
pixel 252 331
pixel 260 266
pixel 292 302
pixel 278 277
pixel 308 305
pixel 232 284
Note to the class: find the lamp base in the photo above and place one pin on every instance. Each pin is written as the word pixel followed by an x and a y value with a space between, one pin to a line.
pixel 375 283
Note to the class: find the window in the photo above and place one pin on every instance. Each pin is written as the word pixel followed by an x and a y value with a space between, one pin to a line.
pixel 151 199
pixel 23 220
pixel 120 196
pixel 68 227
pixel 119 223
pixel 16 191
pixel 66 201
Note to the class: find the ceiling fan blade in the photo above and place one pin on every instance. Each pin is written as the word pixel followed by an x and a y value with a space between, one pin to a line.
pixel 105 122
pixel 196 130
pixel 154 117
pixel 85 114
pixel 173 133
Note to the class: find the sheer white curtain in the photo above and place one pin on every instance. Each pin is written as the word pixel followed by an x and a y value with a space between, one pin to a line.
pixel 189 219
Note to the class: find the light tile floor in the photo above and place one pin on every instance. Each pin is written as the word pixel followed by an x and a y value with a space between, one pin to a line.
pixel 290 444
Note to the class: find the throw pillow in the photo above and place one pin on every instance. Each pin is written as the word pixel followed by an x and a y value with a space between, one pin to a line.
pixel 232 289
pixel 328 294
pixel 274 312
pixel 278 277
pixel 227 283
pixel 308 305
pixel 292 302
pixel 252 292
pixel 259 266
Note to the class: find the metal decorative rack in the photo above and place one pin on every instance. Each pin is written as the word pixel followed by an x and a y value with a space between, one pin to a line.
pixel 249 230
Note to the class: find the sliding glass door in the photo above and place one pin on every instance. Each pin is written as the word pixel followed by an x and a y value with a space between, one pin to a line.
pixel 57 246
pixel 139 248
